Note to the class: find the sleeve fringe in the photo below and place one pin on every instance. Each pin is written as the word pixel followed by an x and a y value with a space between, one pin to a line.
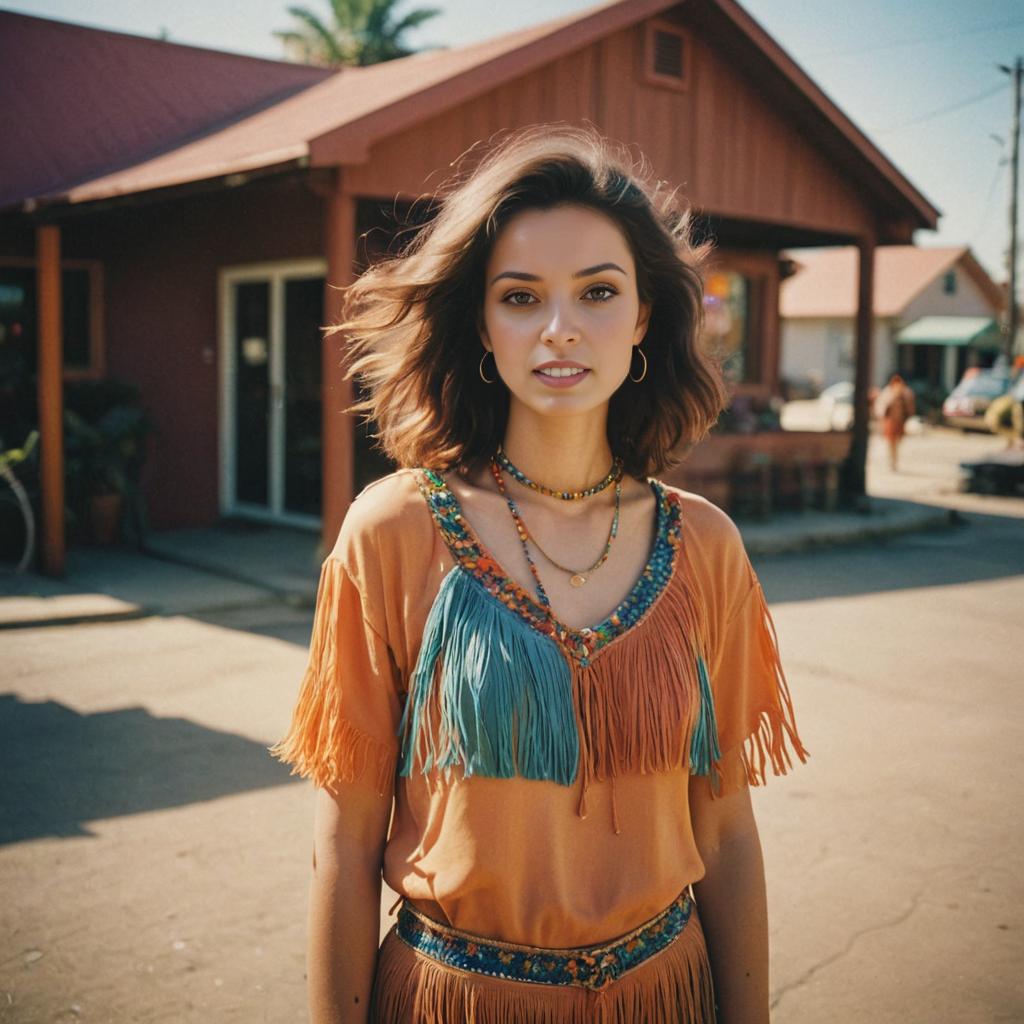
pixel 772 738
pixel 322 744
pixel 766 744
pixel 326 748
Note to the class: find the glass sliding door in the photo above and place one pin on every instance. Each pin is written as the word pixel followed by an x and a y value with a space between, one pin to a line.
pixel 303 312
pixel 252 392
pixel 270 391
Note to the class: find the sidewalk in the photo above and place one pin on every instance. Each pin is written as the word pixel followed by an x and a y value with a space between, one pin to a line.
pixel 235 565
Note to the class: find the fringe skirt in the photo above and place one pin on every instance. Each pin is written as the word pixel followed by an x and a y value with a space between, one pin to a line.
pixel 428 973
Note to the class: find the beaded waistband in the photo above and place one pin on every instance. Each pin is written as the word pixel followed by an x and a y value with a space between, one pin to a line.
pixel 592 967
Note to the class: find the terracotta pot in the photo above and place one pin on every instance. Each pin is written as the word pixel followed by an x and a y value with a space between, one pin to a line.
pixel 105 517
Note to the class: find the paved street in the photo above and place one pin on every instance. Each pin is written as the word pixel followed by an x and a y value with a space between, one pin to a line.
pixel 893 855
pixel 154 860
pixel 929 471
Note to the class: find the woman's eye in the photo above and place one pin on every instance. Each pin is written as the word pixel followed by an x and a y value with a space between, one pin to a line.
pixel 601 292
pixel 518 298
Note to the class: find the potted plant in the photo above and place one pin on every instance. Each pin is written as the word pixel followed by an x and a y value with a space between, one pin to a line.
pixel 102 461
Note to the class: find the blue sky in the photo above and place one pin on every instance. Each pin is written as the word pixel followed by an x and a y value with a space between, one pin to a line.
pixel 918 76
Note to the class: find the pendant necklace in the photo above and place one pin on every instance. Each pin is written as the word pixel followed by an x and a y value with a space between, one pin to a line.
pixel 576 578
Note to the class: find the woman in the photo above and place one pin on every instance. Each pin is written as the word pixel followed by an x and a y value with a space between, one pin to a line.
pixel 894 406
pixel 561 671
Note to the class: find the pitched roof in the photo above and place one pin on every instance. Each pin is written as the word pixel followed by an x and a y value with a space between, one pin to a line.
pixel 825 284
pixel 79 102
pixel 761 56
pixel 284 132
pixel 338 119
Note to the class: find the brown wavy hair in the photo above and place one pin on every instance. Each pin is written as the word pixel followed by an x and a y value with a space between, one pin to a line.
pixel 413 321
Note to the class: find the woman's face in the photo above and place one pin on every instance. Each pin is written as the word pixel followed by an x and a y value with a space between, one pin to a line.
pixel 561 311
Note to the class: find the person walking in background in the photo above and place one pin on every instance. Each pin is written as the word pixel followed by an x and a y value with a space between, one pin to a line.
pixel 1004 416
pixel 559 672
pixel 894 406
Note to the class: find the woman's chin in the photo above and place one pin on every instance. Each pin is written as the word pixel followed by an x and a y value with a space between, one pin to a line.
pixel 561 404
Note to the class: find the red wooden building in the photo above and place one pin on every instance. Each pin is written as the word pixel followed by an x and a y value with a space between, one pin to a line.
pixel 185 213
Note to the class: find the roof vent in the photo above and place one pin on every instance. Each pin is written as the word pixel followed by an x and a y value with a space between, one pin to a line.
pixel 667 52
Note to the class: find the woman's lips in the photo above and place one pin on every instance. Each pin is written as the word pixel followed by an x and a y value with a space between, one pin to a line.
pixel 566 381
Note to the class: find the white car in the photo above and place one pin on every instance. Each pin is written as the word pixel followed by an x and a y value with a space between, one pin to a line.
pixel 831 410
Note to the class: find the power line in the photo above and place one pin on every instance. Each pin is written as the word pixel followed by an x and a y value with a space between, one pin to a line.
pixel 1002 87
pixel 898 44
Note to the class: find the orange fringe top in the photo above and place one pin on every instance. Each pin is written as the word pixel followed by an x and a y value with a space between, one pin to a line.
pixel 541 786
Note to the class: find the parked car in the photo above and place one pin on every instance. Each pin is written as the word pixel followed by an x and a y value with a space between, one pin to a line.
pixel 831 410
pixel 967 402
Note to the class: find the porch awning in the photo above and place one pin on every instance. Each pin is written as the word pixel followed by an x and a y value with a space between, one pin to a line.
pixel 960 331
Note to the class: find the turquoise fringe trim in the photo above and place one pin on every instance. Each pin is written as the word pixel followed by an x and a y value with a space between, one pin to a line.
pixel 704 747
pixel 505 692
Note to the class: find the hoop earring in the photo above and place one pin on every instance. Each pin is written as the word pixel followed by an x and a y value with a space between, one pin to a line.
pixel 486 380
pixel 640 352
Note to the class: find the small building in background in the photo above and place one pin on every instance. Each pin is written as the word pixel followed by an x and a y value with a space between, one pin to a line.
pixel 936 312
pixel 202 206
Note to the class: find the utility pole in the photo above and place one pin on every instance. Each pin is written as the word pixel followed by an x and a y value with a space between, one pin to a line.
pixel 1011 254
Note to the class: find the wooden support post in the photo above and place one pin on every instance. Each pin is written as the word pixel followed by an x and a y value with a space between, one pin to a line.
pixel 854 484
pixel 50 392
pixel 338 427
pixel 771 330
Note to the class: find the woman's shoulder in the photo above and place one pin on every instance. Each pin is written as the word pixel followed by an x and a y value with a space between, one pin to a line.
pixel 712 543
pixel 702 519
pixel 388 515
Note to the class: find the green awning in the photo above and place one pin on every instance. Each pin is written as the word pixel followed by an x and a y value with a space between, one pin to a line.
pixel 980 331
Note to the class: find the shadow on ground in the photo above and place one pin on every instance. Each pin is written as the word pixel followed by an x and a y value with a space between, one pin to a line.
pixel 62 769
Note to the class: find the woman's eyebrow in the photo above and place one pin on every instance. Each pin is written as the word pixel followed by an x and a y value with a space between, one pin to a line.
pixel 600 268
pixel 521 275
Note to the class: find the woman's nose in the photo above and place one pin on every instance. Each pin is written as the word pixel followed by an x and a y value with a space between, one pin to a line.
pixel 560 326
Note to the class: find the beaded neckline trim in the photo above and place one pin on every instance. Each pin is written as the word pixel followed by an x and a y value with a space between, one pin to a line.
pixel 580 644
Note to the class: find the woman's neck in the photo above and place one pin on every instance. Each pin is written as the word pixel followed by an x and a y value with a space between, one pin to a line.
pixel 566 452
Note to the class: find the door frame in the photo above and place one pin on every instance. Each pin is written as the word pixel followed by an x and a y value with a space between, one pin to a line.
pixel 276 273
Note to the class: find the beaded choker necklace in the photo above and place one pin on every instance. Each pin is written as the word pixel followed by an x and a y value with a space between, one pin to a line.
pixel 577 579
pixel 614 474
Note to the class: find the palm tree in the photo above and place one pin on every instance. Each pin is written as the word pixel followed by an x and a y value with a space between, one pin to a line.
pixel 360 32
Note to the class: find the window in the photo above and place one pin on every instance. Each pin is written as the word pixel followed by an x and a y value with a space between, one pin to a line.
pixel 949 283
pixel 19 343
pixel 666 55
pixel 728 326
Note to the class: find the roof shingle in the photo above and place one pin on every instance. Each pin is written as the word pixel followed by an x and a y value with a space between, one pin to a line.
pixel 79 102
